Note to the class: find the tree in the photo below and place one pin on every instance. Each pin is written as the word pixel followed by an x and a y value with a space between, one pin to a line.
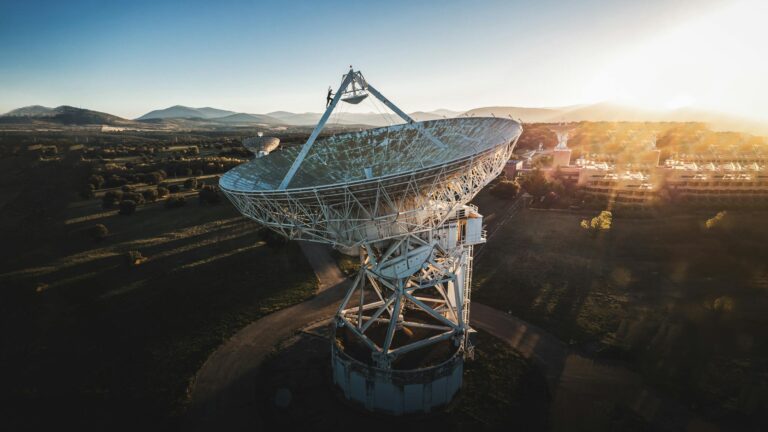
pixel 174 189
pixel 98 232
pixel 97 181
pixel 535 183
pixel 134 258
pixel 505 189
pixel 136 197
pixel 87 192
pixel 115 181
pixel 127 207
pixel 601 222
pixel 150 195
pixel 154 177
pixel 111 199
pixel 190 183
pixel 162 192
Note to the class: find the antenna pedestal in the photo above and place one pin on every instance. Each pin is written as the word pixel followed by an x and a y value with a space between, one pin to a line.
pixel 402 329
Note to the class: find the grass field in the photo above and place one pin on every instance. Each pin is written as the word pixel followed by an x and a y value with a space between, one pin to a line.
pixel 99 342
pixel 683 304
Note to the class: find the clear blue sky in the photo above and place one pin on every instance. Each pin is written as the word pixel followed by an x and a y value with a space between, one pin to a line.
pixel 127 58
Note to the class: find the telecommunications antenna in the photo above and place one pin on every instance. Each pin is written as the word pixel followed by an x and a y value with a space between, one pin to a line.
pixel 398 197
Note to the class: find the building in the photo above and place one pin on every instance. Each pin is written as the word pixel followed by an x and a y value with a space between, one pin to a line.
pixel 710 182
pixel 694 179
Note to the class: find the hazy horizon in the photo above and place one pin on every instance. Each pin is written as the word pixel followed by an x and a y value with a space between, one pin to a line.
pixel 130 59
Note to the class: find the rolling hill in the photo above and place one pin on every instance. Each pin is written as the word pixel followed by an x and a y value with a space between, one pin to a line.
pixel 180 111
pixel 29 111
pixel 63 115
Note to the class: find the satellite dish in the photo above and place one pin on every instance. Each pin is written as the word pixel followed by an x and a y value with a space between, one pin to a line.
pixel 399 195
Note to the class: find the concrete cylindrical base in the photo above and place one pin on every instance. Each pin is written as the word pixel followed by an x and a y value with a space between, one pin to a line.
pixel 397 391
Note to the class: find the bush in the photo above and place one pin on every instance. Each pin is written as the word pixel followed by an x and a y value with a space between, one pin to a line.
pixel 127 188
pixel 127 207
pixel 209 195
pixel 190 183
pixel 175 201
pixel 174 189
pixel 505 189
pixel 150 195
pixel 98 232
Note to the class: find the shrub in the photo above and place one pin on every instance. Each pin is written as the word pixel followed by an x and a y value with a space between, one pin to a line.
pixel 127 207
pixel 98 232
pixel 150 195
pixel 505 189
pixel 190 183
pixel 175 201
pixel 127 188
pixel 209 195
pixel 174 189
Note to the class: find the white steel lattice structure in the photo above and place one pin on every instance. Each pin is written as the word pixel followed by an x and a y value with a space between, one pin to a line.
pixel 399 195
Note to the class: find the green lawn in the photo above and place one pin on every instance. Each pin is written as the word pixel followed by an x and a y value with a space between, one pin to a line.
pixel 684 305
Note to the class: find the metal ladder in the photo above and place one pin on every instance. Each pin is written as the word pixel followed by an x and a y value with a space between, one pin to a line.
pixel 467 283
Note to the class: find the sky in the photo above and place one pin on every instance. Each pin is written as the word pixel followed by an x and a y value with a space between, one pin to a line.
pixel 128 58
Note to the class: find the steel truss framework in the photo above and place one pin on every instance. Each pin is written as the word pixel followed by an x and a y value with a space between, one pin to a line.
pixel 438 287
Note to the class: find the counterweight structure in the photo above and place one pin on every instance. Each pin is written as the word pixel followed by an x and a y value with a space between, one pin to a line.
pixel 398 196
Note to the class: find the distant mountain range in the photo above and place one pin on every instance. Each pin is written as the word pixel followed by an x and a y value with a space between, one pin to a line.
pixel 182 117
pixel 612 112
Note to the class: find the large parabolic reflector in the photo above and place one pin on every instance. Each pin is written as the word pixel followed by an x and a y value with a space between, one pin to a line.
pixel 374 184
